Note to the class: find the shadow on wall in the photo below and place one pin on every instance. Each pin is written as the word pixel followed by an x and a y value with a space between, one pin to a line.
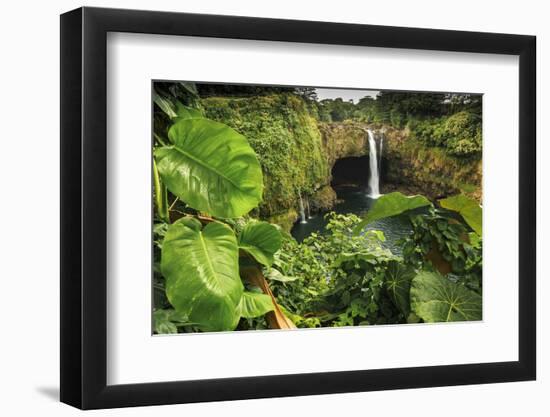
pixel 49 392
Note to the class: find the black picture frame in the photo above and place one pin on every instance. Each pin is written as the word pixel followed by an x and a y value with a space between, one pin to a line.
pixel 84 207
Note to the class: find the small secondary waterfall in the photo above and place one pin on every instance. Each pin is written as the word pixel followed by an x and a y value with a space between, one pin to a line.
pixel 302 211
pixel 374 180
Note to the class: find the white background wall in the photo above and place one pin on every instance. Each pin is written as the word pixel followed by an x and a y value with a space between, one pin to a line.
pixel 29 237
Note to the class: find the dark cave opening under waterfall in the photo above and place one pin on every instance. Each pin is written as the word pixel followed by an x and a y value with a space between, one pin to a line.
pixel 351 171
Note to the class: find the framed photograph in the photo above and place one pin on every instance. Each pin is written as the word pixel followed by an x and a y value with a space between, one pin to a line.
pixel 257 208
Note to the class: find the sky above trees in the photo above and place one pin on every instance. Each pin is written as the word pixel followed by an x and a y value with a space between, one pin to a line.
pixel 344 94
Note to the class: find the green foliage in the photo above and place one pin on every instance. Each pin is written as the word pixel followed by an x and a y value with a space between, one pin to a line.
pixel 254 304
pixel 311 264
pixel 168 321
pixel 165 104
pixel 391 204
pixel 275 275
pixel 435 298
pixel 336 110
pixel 398 285
pixel 202 273
pixel 337 278
pixel 161 195
pixel 205 168
pixel 357 293
pixel 436 232
pixel 459 134
pixel 340 278
pixel 210 167
pixel 430 169
pixel 468 208
pixel 172 92
pixel 283 132
pixel 261 240
pixel 436 235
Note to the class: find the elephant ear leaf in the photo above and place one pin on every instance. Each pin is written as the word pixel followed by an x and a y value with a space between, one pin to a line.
pixel 435 298
pixel 469 209
pixel 184 112
pixel 201 268
pixel 255 304
pixel 398 285
pixel 390 205
pixel 211 167
pixel 261 240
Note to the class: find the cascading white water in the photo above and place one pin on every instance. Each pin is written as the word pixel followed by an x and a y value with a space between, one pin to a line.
pixel 308 209
pixel 302 211
pixel 374 180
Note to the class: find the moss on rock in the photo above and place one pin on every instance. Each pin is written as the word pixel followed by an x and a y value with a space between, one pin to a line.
pixel 429 170
pixel 342 140
pixel 323 199
pixel 283 131
pixel 286 219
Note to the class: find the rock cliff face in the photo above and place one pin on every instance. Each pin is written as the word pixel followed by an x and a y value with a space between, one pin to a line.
pixel 343 140
pixel 407 165
pixel 413 168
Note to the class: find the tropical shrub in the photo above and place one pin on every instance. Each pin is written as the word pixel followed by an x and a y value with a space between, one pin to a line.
pixel 335 278
pixel 445 250
pixel 345 277
pixel 214 171
pixel 459 134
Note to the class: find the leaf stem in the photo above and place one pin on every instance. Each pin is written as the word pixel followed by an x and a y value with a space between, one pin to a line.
pixel 161 195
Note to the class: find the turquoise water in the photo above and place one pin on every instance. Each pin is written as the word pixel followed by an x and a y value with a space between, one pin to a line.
pixel 355 200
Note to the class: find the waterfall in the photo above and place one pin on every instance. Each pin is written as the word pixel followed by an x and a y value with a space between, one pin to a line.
pixel 302 211
pixel 374 181
pixel 308 209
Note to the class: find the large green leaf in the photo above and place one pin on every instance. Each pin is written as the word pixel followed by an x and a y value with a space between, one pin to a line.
pixel 261 240
pixel 435 298
pixel 210 167
pixel 255 304
pixel 184 112
pixel 398 285
pixel 468 208
pixel 390 205
pixel 201 268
